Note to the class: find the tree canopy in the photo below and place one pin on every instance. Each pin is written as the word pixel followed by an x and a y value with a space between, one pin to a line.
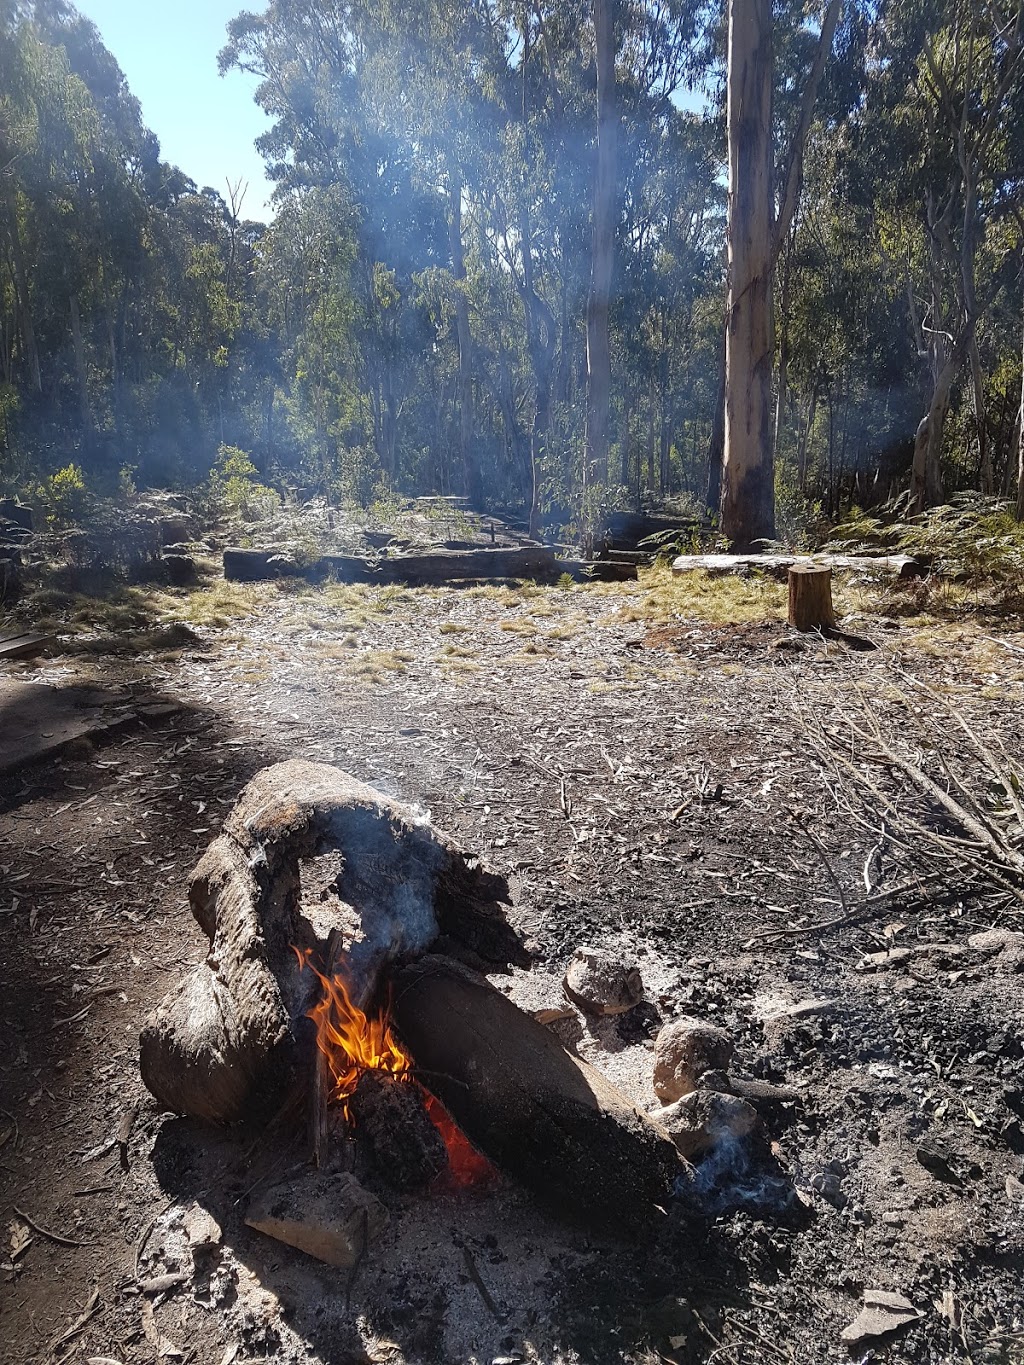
pixel 420 313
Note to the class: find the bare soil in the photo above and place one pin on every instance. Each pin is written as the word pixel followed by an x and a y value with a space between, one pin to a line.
pixel 638 785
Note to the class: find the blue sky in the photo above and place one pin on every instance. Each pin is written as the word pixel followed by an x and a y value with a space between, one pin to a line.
pixel 206 123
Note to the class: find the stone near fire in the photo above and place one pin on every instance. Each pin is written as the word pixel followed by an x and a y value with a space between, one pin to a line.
pixel 1006 944
pixel 704 1119
pixel 603 983
pixel 683 1051
pixel 330 1217
pixel 883 1312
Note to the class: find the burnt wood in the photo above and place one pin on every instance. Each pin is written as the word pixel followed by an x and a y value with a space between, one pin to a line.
pixel 538 1112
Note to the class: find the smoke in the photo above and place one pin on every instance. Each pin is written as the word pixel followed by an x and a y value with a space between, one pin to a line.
pixel 737 1174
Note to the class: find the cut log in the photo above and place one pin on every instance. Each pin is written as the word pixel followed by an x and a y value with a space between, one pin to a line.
pixel 228 1040
pixel 810 598
pixel 436 568
pixel 778 566
pixel 539 1113
pixel 25 645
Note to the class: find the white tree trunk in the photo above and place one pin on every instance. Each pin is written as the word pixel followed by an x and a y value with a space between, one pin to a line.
pixel 748 500
pixel 603 239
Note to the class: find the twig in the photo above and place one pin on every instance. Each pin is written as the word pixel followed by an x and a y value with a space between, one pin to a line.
pixel 124 1132
pixel 485 1293
pixel 14 1132
pixel 83 1317
pixel 819 848
pixel 45 1232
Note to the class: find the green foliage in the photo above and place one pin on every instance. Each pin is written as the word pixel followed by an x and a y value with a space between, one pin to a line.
pixel 65 497
pixel 974 539
pixel 235 485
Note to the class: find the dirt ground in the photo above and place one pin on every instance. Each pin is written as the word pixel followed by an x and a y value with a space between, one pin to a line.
pixel 646 783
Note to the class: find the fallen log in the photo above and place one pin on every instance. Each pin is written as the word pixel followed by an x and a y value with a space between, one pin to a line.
pixel 435 568
pixel 232 1037
pixel 778 566
pixel 538 1112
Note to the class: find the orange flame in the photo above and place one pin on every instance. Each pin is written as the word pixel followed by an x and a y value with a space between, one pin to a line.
pixel 353 1042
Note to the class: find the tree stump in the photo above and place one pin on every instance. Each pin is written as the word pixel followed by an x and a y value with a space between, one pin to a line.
pixel 810 598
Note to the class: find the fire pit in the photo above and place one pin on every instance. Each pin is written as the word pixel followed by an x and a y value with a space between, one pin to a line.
pixel 369 1010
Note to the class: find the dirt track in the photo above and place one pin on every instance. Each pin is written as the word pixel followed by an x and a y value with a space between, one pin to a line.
pixel 637 787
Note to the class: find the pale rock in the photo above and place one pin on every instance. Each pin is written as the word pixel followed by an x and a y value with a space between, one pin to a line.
pixel 703 1119
pixel 1006 944
pixel 684 1050
pixel 603 983
pixel 201 1229
pixel 330 1217
pixel 883 1312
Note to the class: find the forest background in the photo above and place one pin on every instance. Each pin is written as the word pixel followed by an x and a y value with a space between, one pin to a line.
pixel 418 316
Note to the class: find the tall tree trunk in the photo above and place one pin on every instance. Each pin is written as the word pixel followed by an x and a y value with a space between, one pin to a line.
pixel 1020 441
pixel 748 501
pixel 780 402
pixel 986 481
pixel 716 445
pixel 599 377
pixel 805 440
pixel 28 331
pixel 472 482
pixel 81 370
pixel 926 477
pixel 540 344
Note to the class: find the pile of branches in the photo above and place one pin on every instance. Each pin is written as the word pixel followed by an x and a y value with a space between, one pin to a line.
pixel 942 804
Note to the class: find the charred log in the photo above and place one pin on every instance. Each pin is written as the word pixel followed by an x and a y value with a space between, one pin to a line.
pixel 539 1113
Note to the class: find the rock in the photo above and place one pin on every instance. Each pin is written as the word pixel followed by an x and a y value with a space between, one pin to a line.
pixel 1014 1189
pixel 883 1312
pixel 602 983
pixel 284 566
pixel 937 1162
pixel 175 530
pixel 201 1229
pixel 180 569
pixel 329 1217
pixel 1006 944
pixel 830 1187
pixel 683 1051
pixel 703 1119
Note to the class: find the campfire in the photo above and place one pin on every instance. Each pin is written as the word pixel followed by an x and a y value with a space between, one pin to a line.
pixel 358 1052
pixel 369 1009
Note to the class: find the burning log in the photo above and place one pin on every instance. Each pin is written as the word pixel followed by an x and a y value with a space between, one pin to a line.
pixel 227 1040
pixel 538 1112
pixel 392 1117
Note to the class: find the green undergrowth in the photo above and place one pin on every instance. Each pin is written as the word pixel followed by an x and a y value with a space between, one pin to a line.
pixel 973 547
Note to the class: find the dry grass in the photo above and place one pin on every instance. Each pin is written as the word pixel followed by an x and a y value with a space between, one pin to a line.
pixel 222 603
pixel 375 665
pixel 662 597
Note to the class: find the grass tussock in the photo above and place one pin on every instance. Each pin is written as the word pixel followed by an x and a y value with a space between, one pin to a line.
pixel 376 665
pixel 728 600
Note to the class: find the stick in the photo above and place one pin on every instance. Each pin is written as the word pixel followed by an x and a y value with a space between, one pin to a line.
pixel 124 1132
pixel 819 848
pixel 83 1317
pixel 51 1236
pixel 485 1293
